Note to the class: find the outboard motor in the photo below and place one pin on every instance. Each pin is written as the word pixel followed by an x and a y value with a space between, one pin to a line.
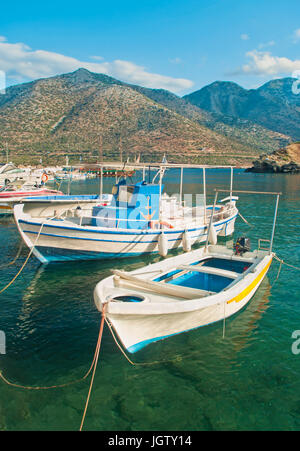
pixel 242 245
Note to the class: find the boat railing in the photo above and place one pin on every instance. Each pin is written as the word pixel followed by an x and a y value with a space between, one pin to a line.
pixel 168 221
pixel 276 194
pixel 260 248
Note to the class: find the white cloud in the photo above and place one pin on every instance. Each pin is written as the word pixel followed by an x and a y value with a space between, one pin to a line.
pixel 245 37
pixel 21 63
pixel 97 58
pixel 264 63
pixel 176 60
pixel 266 44
pixel 2 38
pixel 296 35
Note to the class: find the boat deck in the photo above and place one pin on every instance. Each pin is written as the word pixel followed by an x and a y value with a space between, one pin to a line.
pixel 186 281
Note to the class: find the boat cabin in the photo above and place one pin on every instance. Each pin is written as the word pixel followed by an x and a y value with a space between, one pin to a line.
pixel 132 207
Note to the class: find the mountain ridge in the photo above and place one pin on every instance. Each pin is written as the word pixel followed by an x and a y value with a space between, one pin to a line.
pixel 89 113
pixel 273 105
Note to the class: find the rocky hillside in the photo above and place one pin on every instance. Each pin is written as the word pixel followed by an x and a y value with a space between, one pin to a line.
pixel 88 114
pixel 274 105
pixel 285 160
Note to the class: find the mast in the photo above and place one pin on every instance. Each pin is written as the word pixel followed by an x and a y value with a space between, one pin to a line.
pixel 181 182
pixel 121 149
pixel 274 223
pixel 204 194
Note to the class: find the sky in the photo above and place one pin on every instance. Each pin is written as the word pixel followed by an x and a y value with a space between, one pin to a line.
pixel 178 45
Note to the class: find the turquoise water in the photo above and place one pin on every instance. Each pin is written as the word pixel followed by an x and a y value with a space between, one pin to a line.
pixel 247 381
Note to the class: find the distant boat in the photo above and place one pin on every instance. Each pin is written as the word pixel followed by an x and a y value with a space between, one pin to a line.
pixel 14 193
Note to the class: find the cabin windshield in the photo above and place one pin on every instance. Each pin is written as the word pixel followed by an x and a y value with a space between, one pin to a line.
pixel 125 193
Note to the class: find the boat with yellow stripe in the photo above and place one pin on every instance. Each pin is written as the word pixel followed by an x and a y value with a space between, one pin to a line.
pixel 184 292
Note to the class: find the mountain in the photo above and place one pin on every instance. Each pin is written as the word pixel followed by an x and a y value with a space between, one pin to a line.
pixel 84 113
pixel 274 105
pixel 242 130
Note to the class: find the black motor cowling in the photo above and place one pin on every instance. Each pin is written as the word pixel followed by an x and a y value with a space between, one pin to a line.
pixel 242 245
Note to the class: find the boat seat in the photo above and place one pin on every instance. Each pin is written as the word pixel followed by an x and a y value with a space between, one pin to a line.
pixel 161 288
pixel 210 270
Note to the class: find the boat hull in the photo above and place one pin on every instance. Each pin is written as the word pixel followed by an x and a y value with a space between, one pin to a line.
pixel 158 321
pixel 56 241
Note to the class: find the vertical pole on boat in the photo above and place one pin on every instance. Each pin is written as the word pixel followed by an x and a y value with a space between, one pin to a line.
pixel 204 194
pixel 159 203
pixel 101 182
pixel 144 169
pixel 274 224
pixel 211 220
pixel 181 181
pixel 231 183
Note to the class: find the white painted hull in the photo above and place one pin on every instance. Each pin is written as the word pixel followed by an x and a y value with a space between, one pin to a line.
pixel 56 240
pixel 138 324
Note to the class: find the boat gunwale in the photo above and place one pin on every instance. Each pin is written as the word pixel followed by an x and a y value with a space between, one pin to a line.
pixel 21 218
pixel 257 267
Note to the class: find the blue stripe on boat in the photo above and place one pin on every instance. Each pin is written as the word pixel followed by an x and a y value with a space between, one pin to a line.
pixel 121 232
pixel 104 241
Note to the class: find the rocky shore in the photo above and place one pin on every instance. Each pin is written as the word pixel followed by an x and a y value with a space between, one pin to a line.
pixel 285 160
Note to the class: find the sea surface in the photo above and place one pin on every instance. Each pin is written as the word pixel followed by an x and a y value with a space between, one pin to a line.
pixel 197 381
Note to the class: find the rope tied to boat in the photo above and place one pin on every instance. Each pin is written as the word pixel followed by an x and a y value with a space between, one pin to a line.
pixel 28 256
pixel 282 262
pixel 287 264
pixel 92 367
pixel 157 362
pixel 16 257
pixel 245 220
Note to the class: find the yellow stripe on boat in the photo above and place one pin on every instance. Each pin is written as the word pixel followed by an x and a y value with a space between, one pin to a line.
pixel 252 285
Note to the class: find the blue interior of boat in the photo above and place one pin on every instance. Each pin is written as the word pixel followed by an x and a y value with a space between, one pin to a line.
pixel 229 265
pixel 202 280
pixel 129 298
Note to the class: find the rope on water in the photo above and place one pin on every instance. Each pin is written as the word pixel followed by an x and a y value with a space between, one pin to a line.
pixel 12 384
pixel 287 264
pixel 16 257
pixel 92 367
pixel 95 361
pixel 282 262
pixel 245 220
pixel 157 362
pixel 28 256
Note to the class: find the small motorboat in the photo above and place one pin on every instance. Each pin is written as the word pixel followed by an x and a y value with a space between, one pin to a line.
pixel 182 293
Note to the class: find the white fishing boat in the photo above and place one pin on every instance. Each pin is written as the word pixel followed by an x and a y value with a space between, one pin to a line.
pixel 182 293
pixel 16 191
pixel 139 219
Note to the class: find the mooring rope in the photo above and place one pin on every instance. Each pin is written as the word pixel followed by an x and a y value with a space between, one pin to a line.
pixel 157 362
pixel 26 260
pixel 282 262
pixel 287 264
pixel 16 257
pixel 28 256
pixel 95 361
pixel 245 220
pixel 93 366
pixel 95 358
